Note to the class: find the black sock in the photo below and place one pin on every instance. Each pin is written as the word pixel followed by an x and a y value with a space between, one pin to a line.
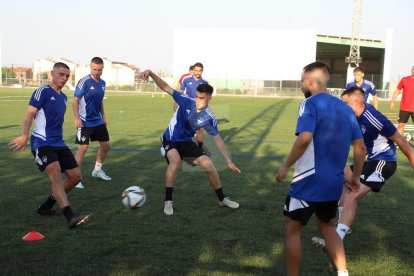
pixel 67 212
pixel 200 144
pixel 48 204
pixel 168 193
pixel 220 194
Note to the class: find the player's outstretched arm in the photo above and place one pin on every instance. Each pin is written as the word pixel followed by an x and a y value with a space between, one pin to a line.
pixel 21 141
pixel 359 159
pixel 298 149
pixel 404 146
pixel 158 81
pixel 220 144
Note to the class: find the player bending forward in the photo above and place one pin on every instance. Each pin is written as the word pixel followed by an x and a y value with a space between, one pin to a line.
pixel 177 144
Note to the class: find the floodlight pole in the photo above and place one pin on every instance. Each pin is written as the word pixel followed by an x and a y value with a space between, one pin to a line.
pixel 354 58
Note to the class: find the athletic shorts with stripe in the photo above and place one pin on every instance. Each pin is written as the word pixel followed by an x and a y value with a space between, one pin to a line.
pixel 302 211
pixel 375 172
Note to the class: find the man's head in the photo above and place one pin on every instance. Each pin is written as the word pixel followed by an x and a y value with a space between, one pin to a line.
pixel 191 69
pixel 60 75
pixel 315 77
pixel 198 70
pixel 358 74
pixel 355 98
pixel 97 66
pixel 203 97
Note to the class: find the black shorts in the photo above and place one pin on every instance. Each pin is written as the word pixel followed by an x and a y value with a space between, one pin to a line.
pixel 47 155
pixel 96 133
pixel 374 173
pixel 301 210
pixel 188 151
pixel 404 115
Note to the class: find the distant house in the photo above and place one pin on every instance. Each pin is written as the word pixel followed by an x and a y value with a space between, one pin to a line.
pixel 42 67
pixel 23 73
pixel 115 73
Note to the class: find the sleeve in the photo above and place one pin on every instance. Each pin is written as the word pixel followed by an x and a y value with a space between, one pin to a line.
pixel 348 85
pixel 388 129
pixel 80 90
pixel 307 117
pixel 181 99
pixel 373 90
pixel 211 127
pixel 183 83
pixel 38 98
pixel 401 84
pixel 356 129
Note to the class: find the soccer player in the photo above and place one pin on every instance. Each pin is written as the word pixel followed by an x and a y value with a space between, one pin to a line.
pixel 90 119
pixel 366 85
pixel 407 101
pixel 180 83
pixel 379 138
pixel 177 143
pixel 189 86
pixel 325 130
pixel 47 108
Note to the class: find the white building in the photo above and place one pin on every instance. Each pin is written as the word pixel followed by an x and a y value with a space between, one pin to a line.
pixel 114 73
pixel 45 65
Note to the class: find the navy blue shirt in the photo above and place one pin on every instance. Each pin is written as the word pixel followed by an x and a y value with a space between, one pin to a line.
pixel 190 85
pixel 367 86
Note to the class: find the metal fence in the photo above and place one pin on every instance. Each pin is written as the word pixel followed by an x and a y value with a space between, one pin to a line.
pixel 251 88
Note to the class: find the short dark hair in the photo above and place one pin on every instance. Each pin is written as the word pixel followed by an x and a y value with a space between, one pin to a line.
pixel 60 65
pixel 191 68
pixel 205 88
pixel 359 69
pixel 97 60
pixel 317 65
pixel 352 91
pixel 198 64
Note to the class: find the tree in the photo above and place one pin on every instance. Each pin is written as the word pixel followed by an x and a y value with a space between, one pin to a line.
pixel 7 72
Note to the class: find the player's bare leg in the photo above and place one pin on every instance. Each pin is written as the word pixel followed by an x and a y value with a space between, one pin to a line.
pixel 293 246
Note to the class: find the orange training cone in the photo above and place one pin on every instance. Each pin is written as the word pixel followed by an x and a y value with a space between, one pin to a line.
pixel 33 236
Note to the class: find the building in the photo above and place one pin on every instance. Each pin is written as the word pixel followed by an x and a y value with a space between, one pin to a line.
pixel 42 67
pixel 23 73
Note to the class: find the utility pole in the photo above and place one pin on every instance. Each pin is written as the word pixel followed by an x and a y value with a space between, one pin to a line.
pixel 354 58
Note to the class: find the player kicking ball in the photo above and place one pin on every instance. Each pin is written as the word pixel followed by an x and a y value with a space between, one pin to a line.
pixel 177 140
pixel 379 138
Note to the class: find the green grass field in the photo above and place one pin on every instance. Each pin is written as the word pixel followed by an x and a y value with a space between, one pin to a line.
pixel 201 238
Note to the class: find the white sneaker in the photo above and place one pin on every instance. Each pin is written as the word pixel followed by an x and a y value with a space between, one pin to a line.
pixel 226 202
pixel 319 242
pixel 80 186
pixel 101 174
pixel 168 207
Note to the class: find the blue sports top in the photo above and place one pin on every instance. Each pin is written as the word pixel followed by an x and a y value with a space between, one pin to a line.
pixel 367 86
pixel 186 121
pixel 377 130
pixel 190 85
pixel 319 172
pixel 90 94
pixel 48 121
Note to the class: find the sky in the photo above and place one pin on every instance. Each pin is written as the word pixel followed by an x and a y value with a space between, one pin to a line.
pixel 141 32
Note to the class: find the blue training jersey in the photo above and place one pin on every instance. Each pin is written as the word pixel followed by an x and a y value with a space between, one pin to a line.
pixel 186 120
pixel 367 86
pixel 90 94
pixel 190 85
pixel 377 130
pixel 319 172
pixel 48 121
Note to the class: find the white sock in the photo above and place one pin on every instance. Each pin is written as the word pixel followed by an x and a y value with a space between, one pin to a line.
pixel 340 210
pixel 341 229
pixel 342 272
pixel 98 167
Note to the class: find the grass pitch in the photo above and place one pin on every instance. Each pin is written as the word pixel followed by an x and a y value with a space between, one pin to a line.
pixel 201 238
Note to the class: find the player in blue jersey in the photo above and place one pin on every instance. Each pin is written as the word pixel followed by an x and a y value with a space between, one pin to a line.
pixel 90 119
pixel 325 130
pixel 366 85
pixel 47 109
pixel 177 141
pixel 379 138
pixel 189 87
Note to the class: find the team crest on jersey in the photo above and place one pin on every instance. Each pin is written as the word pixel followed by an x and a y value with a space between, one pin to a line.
pixel 53 99
pixel 188 111
pixel 363 129
pixel 92 88
pixel 200 120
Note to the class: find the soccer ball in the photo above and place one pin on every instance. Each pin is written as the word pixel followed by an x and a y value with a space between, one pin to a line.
pixel 134 197
pixel 408 137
